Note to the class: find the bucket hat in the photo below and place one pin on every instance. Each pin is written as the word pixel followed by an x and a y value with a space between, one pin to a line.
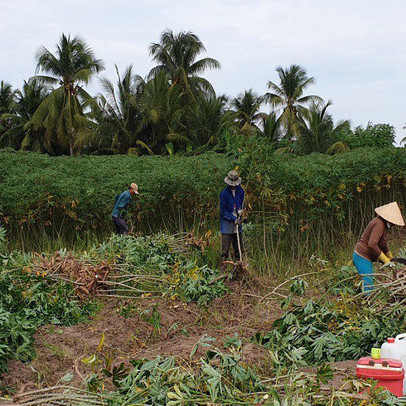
pixel 391 213
pixel 232 178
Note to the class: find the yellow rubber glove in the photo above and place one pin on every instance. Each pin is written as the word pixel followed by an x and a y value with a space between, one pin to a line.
pixel 389 255
pixel 383 258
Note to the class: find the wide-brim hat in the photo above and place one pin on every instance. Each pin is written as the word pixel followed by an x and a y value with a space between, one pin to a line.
pixel 232 179
pixel 134 187
pixel 391 213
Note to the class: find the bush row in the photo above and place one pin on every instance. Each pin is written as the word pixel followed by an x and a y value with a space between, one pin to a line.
pixel 38 189
pixel 290 191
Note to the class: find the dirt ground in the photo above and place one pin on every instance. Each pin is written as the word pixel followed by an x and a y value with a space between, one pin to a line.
pixel 150 327
pixel 131 333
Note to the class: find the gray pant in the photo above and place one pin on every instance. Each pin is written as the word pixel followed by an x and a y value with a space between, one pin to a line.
pixel 121 226
pixel 226 240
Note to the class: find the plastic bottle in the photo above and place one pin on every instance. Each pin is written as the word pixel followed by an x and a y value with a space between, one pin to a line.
pixel 400 342
pixel 387 348
pixel 395 348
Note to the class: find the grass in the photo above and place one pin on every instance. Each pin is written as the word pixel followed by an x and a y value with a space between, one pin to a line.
pixel 56 350
pixel 264 259
pixel 267 257
pixel 40 241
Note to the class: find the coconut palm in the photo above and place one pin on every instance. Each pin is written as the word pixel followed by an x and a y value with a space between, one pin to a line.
pixel 176 56
pixel 318 132
pixel 120 117
pixel 247 111
pixel 62 112
pixel 28 99
pixel 161 110
pixel 7 98
pixel 7 104
pixel 271 127
pixel 289 97
pixel 208 119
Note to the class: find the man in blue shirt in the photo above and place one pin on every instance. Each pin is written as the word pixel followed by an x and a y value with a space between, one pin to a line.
pixel 231 203
pixel 120 204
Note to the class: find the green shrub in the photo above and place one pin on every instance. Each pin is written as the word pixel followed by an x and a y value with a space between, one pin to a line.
pixel 70 194
pixel 300 204
pixel 378 135
pixel 319 332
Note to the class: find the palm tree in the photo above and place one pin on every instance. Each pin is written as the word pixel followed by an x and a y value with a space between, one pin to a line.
pixel 288 96
pixel 208 119
pixel 7 98
pixel 247 111
pixel 120 120
pixel 161 110
pixel 27 102
pixel 176 56
pixel 318 132
pixel 271 127
pixel 62 112
pixel 7 104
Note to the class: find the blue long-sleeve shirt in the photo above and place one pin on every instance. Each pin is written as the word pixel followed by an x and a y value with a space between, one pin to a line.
pixel 230 204
pixel 121 203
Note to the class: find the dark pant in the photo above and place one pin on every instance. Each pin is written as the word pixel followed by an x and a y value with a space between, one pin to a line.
pixel 226 240
pixel 121 226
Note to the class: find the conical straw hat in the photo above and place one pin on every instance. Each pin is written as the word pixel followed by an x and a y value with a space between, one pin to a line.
pixel 391 212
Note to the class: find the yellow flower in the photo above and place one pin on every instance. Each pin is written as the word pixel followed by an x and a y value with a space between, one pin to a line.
pixel 359 189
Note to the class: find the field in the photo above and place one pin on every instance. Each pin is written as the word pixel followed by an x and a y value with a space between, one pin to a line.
pixel 298 205
pixel 87 317
pixel 144 320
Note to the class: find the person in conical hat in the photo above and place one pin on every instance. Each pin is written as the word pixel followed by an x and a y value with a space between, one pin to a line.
pixel 372 246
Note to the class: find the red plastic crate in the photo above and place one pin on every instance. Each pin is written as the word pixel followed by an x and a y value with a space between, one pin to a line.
pixel 388 372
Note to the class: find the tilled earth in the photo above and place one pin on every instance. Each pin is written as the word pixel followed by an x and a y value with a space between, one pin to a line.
pixel 143 328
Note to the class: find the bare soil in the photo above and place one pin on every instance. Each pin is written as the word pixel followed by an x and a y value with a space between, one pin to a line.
pixel 130 334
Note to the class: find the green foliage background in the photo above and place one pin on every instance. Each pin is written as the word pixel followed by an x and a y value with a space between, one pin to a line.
pixel 298 203
pixel 79 193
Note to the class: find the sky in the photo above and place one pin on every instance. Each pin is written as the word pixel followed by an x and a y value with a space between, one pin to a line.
pixel 354 49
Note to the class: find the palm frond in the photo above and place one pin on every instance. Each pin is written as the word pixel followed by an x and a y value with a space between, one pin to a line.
pixel 203 64
pixel 338 148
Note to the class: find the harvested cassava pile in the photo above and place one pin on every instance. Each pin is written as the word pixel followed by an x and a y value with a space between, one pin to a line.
pixel 390 283
pixel 58 395
pixel 88 277
pixel 200 243
pixel 128 267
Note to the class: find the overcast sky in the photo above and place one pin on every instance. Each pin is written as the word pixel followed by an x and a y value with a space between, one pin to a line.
pixel 354 48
